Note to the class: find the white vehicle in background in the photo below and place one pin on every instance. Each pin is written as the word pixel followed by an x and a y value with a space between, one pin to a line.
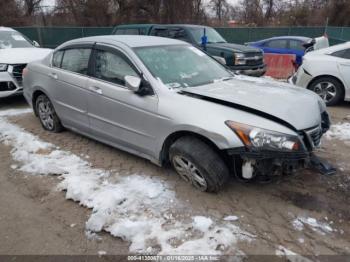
pixel 326 72
pixel 16 51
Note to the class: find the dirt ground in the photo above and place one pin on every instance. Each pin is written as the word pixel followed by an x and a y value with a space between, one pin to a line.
pixel 37 219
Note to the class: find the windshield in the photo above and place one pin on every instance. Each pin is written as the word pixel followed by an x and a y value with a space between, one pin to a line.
pixel 13 39
pixel 212 34
pixel 182 66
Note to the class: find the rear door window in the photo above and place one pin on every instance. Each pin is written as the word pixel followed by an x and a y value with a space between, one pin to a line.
pixel 280 44
pixel 178 33
pixel 296 45
pixel 162 32
pixel 57 59
pixel 345 54
pixel 76 60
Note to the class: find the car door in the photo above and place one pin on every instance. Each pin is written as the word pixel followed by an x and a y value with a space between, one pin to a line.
pixel 68 90
pixel 118 115
pixel 344 65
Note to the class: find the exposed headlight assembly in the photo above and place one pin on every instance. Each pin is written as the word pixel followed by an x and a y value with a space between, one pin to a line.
pixel 240 59
pixel 3 67
pixel 262 139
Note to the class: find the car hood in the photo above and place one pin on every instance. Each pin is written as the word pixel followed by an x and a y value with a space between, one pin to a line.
pixel 234 47
pixel 22 55
pixel 294 107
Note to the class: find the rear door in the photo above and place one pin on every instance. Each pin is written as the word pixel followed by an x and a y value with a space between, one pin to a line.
pixel 69 74
pixel 344 65
pixel 118 115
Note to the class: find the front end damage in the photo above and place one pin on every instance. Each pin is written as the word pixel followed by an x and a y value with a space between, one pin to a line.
pixel 250 163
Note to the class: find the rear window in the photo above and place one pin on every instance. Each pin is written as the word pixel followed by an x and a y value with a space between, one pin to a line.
pixel 76 60
pixel 342 54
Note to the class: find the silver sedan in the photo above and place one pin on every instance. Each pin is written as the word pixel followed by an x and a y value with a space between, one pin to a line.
pixel 169 102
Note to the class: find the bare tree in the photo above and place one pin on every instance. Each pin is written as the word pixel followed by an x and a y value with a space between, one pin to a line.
pixel 31 6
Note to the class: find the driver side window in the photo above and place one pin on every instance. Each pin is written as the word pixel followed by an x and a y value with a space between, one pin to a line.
pixel 112 67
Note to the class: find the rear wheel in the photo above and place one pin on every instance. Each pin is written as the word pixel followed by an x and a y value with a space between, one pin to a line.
pixel 47 114
pixel 329 89
pixel 198 164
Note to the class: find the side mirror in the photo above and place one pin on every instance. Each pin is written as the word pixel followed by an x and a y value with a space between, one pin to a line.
pixel 133 83
pixel 35 43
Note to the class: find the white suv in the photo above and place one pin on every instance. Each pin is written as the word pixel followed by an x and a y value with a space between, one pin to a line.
pixel 326 72
pixel 16 51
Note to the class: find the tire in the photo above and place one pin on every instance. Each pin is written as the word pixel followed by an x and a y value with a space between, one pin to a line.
pixel 198 164
pixel 47 114
pixel 329 89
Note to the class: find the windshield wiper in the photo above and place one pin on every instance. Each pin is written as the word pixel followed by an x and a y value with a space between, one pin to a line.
pixel 226 78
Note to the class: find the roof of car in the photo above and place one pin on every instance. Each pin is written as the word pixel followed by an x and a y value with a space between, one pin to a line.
pixel 134 26
pixel 2 28
pixel 301 38
pixel 158 25
pixel 129 40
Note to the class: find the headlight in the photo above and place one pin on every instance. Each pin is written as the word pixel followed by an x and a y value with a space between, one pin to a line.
pixel 262 139
pixel 240 59
pixel 3 67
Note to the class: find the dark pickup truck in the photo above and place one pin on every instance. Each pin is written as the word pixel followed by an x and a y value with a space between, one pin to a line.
pixel 242 59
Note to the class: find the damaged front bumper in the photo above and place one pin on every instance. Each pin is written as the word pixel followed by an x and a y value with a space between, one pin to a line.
pixel 268 164
pixel 252 162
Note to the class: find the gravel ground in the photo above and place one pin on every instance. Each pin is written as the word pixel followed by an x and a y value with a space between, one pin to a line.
pixel 283 215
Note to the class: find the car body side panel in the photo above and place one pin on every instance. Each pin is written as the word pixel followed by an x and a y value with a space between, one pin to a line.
pixel 69 94
pixel 317 65
pixel 123 117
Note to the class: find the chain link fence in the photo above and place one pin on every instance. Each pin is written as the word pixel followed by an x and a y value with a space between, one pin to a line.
pixel 51 37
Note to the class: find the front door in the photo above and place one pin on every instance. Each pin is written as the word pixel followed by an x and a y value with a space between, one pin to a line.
pixel 118 115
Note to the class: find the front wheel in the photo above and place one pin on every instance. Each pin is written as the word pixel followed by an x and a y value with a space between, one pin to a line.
pixel 198 164
pixel 47 114
pixel 329 89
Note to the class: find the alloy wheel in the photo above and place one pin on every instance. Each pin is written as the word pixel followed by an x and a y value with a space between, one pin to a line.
pixel 189 172
pixel 46 114
pixel 326 90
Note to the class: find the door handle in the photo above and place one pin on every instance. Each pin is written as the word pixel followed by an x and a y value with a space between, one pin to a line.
pixel 53 76
pixel 96 90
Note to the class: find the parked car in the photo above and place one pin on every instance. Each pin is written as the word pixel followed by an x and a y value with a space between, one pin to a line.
pixel 294 45
pixel 326 72
pixel 16 51
pixel 167 101
pixel 240 58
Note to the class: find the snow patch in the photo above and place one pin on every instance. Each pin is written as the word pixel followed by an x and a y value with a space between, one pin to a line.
pixel 231 218
pixel 290 255
pixel 15 112
pixel 136 208
pixel 202 223
pixel 316 226
pixel 339 131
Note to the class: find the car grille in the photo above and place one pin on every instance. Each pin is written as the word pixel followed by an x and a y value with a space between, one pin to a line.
pixel 255 62
pixel 254 58
pixel 17 71
pixel 313 137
